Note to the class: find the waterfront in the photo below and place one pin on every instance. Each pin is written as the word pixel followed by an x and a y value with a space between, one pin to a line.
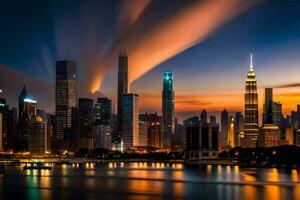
pixel 141 180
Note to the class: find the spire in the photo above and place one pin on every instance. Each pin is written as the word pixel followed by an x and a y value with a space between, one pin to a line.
pixel 251 62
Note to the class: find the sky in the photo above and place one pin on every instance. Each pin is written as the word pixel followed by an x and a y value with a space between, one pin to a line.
pixel 206 45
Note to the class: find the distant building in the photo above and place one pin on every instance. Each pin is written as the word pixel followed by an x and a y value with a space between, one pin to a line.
pixel 122 89
pixel 268 136
pixel 289 136
pixel 297 138
pixel 65 100
pixel 203 117
pixel 224 128
pixel 102 124
pixel 212 120
pixel 27 109
pixel 192 121
pixel 85 122
pixel 155 137
pixel 202 142
pixel 130 121
pixel 239 127
pixel 251 110
pixel 268 106
pixel 168 109
pixel 143 131
pixel 231 142
pixel 37 140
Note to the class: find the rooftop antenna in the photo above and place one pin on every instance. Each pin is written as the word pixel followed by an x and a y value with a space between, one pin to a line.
pixel 251 62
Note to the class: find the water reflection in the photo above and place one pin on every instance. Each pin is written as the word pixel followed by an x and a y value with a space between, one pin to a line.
pixel 148 180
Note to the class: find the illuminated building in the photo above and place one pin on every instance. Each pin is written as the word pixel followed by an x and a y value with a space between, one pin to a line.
pixel 122 87
pixel 102 124
pixel 85 121
pixel 231 142
pixel 251 110
pixel 224 128
pixel 239 127
pixel 268 136
pixel 168 109
pixel 130 120
pixel 289 136
pixel 102 136
pixel 143 131
pixel 65 100
pixel 27 109
pixel 37 140
pixel 202 142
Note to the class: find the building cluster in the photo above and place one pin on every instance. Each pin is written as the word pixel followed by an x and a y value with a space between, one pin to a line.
pixel 243 130
pixel 83 123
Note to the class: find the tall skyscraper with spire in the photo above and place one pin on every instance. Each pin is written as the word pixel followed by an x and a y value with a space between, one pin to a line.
pixel 122 86
pixel 249 138
pixel 168 109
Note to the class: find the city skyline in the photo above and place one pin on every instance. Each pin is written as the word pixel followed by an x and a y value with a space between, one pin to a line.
pixel 215 68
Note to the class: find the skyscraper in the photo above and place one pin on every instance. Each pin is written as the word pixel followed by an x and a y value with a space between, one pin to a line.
pixel 168 109
pixel 239 127
pixel 85 120
pixel 102 124
pixel 122 86
pixel 37 140
pixel 27 109
pixel 251 110
pixel 203 117
pixel 130 121
pixel 224 128
pixel 231 142
pixel 268 114
pixel 65 99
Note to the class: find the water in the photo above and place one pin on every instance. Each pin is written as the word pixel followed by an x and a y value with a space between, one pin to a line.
pixel 150 181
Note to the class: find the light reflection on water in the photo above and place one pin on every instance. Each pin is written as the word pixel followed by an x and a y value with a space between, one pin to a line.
pixel 146 180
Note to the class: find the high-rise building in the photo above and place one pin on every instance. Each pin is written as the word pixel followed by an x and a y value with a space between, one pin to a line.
pixel 37 140
pixel 154 129
pixel 203 117
pixel 231 142
pixel 268 106
pixel 85 122
pixel 277 113
pixel 130 120
pixel 168 109
pixel 65 100
pixel 102 124
pixel 239 127
pixel 224 128
pixel 213 120
pixel 27 109
pixel 251 110
pixel 122 88
pixel 143 130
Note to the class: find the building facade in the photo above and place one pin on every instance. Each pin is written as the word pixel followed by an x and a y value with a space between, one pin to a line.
pixel 85 123
pixel 130 120
pixel 65 100
pixel 37 139
pixel 268 136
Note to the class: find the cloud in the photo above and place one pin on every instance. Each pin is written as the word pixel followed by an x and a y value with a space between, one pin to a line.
pixel 173 34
